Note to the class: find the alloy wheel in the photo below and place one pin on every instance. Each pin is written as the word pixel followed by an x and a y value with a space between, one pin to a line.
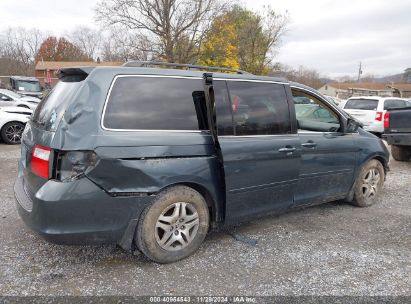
pixel 370 183
pixel 177 226
pixel 13 133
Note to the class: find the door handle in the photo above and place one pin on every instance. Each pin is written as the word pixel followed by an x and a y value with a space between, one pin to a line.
pixel 288 150
pixel 309 144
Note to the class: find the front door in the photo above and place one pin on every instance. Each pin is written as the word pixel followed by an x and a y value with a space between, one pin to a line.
pixel 260 152
pixel 328 156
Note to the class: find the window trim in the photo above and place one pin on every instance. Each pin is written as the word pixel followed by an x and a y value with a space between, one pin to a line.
pixel 144 130
pixel 282 84
pixel 328 104
pixel 167 76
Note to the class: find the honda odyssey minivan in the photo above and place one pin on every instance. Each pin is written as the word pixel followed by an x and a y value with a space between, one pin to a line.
pixel 152 158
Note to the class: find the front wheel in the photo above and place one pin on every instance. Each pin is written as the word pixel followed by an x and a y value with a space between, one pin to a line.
pixel 173 226
pixel 11 132
pixel 369 184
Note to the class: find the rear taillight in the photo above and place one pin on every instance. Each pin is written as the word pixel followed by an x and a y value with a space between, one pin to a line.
pixel 378 116
pixel 386 120
pixel 72 165
pixel 40 161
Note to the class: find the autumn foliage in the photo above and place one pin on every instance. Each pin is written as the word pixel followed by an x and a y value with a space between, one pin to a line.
pixel 220 47
pixel 243 39
pixel 53 49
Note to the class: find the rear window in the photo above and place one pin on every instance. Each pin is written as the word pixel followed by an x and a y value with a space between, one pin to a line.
pixel 155 103
pixel 362 104
pixel 51 109
pixel 395 104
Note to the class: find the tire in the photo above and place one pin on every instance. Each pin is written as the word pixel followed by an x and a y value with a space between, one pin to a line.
pixel 369 183
pixel 400 153
pixel 173 226
pixel 11 132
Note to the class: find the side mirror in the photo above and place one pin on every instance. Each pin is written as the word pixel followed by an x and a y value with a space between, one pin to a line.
pixel 5 98
pixel 352 126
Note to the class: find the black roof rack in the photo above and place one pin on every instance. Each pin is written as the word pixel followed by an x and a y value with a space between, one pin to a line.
pixel 181 65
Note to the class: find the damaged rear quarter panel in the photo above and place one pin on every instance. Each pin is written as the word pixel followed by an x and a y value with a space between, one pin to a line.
pixel 147 170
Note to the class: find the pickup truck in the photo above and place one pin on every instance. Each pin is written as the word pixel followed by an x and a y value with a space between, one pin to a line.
pixel 397 131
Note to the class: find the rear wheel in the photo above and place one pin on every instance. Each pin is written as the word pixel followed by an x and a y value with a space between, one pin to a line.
pixel 401 153
pixel 173 226
pixel 11 132
pixel 369 184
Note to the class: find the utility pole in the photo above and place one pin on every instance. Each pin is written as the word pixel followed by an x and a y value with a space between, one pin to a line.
pixel 359 72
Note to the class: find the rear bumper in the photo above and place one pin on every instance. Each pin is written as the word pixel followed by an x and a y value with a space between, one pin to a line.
pixel 374 127
pixel 79 213
pixel 398 139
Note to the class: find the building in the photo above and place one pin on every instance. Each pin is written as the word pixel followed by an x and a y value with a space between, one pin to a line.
pixel 45 71
pixel 345 90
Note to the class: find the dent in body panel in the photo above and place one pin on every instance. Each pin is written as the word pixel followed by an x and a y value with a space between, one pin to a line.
pixel 151 175
pixel 79 126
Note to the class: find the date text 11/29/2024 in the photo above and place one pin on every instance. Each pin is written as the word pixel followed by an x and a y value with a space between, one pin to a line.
pixel 202 299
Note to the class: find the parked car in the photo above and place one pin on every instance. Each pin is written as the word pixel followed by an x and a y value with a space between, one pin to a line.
pixel 10 98
pixel 397 124
pixel 370 110
pixel 152 158
pixel 23 85
pixel 12 122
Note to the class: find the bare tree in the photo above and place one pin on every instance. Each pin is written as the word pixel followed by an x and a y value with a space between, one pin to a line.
pixel 87 39
pixel 19 48
pixel 174 28
pixel 122 45
pixel 309 77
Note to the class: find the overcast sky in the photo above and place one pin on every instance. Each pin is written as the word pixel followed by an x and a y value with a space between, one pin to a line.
pixel 329 36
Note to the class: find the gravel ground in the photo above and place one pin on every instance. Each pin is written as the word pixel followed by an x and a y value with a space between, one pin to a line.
pixel 332 249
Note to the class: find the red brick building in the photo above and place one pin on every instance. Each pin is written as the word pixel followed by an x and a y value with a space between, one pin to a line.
pixel 46 70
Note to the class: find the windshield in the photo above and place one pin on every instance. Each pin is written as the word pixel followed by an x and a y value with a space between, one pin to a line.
pixel 362 104
pixel 50 110
pixel 29 86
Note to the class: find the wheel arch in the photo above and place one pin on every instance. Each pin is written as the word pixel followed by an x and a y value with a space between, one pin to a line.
pixel 215 208
pixel 377 157
pixel 216 212
pixel 11 121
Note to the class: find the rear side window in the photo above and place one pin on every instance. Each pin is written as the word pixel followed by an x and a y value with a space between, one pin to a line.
pixel 51 109
pixel 155 103
pixel 395 104
pixel 362 104
pixel 259 108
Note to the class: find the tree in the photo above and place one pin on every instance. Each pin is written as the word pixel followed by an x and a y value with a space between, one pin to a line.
pixel 220 45
pixel 244 39
pixel 120 45
pixel 309 77
pixel 258 35
pixel 18 49
pixel 88 40
pixel 53 49
pixel 174 28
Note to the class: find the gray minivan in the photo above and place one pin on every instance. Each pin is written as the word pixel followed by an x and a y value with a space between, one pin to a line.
pixel 153 158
